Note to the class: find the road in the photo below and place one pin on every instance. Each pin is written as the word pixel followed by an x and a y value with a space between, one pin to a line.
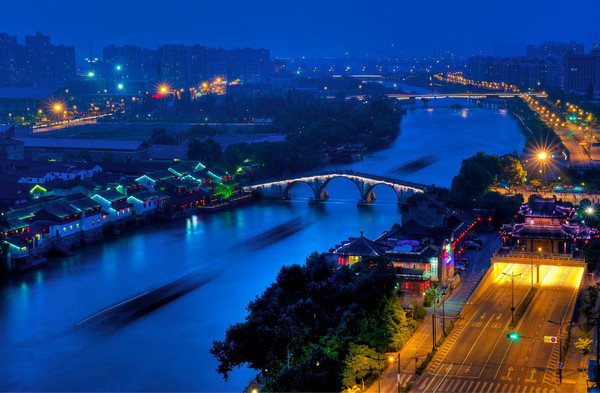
pixel 420 344
pixel 478 357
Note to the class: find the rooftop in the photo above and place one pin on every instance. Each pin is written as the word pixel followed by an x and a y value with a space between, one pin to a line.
pixel 90 144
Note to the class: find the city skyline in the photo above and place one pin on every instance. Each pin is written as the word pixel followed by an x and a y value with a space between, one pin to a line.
pixel 312 30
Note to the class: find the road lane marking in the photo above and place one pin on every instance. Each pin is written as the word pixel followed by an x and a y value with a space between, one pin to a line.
pixel 445 375
pixel 476 341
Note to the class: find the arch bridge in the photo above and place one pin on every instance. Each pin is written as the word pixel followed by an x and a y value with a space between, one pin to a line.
pixel 281 189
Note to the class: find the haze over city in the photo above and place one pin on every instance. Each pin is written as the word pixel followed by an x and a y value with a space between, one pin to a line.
pixel 309 28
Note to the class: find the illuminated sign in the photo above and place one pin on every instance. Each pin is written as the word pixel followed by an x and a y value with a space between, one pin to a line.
pixel 434 268
pixel 447 254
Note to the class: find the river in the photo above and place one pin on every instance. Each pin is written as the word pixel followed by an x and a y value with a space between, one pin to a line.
pixel 43 349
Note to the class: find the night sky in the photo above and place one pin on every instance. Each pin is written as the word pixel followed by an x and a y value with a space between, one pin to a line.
pixel 307 27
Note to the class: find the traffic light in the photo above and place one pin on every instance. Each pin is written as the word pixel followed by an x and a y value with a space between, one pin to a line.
pixel 514 336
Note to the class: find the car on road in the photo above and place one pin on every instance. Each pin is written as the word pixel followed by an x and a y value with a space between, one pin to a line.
pixel 459 267
pixel 471 245
pixel 464 261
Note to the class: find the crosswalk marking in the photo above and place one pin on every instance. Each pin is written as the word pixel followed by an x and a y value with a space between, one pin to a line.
pixel 424 383
pixel 441 388
pixel 483 387
pixel 476 386
pixel 462 386
pixel 452 383
pixel 469 387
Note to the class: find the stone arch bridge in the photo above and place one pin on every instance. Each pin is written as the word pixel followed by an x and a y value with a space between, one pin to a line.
pixel 281 189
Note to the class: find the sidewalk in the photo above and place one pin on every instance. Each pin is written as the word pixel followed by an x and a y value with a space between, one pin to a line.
pixel 421 343
pixel 574 376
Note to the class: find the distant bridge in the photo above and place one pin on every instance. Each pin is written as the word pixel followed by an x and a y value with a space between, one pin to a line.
pixel 281 189
pixel 433 96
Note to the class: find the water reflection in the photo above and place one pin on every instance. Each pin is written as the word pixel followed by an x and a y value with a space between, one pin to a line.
pixel 167 349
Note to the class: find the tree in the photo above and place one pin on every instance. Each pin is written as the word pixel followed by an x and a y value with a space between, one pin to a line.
pixel 476 175
pixel 512 172
pixel 160 136
pixel 584 342
pixel 312 326
pixel 209 151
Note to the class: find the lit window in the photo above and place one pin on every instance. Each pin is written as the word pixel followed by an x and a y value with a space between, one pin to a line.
pixel 64 229
pixel 77 225
pixel 71 227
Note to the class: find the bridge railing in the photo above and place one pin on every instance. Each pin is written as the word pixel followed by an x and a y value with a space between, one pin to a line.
pixel 345 173
pixel 537 256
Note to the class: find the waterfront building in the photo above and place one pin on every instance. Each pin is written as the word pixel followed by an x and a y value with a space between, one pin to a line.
pixel 115 204
pixel 355 249
pixel 146 202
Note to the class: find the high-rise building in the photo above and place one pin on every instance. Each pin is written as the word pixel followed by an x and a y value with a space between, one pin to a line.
pixel 582 72
pixel 173 64
pixel 40 57
pixel 12 61
pixel 122 63
pixel 519 71
pixel 64 62
pixel 37 61
pixel 185 66
pixel 554 49
pixel 248 64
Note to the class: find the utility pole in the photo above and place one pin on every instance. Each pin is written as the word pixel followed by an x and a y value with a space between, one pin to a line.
pixel 512 298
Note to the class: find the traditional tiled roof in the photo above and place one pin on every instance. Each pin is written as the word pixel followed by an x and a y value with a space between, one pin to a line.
pixel 361 246
pixel 423 254
pixel 111 195
pixel 562 232
pixel 410 230
pixel 541 207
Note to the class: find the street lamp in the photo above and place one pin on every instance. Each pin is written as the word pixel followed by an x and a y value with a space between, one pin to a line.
pixel 512 298
pixel 560 327
pixel 398 372
pixel 379 359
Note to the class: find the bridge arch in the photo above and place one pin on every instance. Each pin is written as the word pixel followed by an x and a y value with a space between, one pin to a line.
pixel 399 191
pixel 287 191
pixel 322 195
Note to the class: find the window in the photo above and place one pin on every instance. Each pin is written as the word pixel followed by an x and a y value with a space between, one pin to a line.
pixel 71 227
pixel 77 225
pixel 64 229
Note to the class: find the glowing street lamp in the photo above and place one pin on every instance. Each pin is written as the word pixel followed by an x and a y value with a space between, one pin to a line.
pixel 589 210
pixel 91 74
pixel 542 155
pixel 120 86
pixel 118 68
pixel 57 107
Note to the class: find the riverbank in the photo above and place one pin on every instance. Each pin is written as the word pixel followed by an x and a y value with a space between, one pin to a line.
pixel 168 349
pixel 42 246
